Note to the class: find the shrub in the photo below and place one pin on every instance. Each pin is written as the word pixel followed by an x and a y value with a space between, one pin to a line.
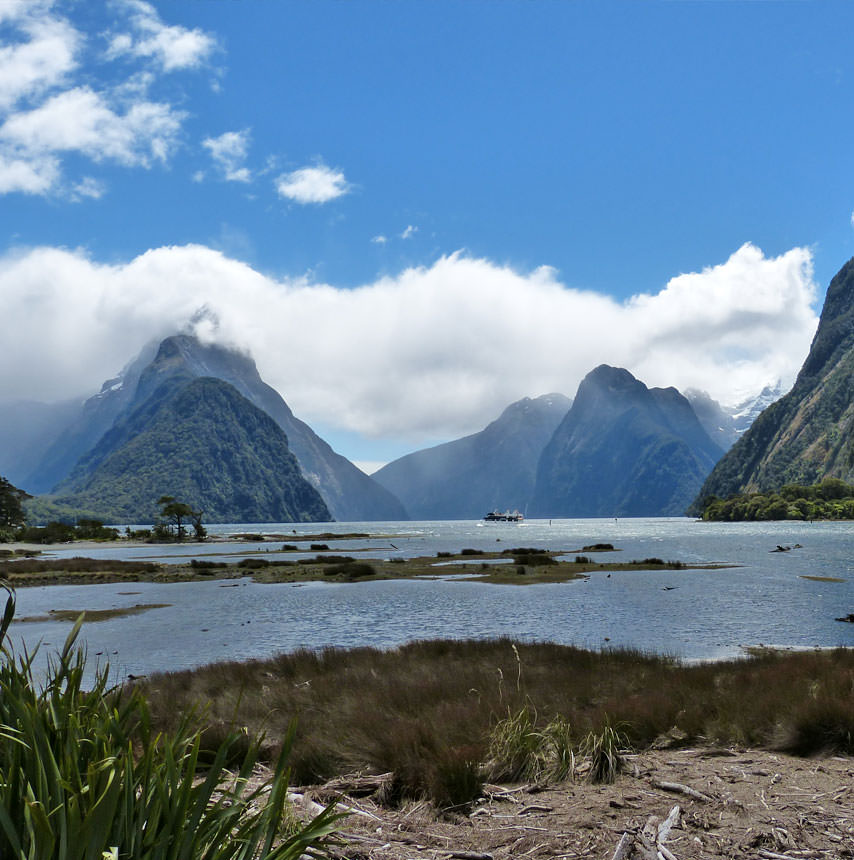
pixel 81 771
pixel 534 559
pixel 471 552
pixel 318 547
pixel 352 570
pixel 597 547
pixel 253 563
pixel 582 559
pixel 198 564
pixel 524 550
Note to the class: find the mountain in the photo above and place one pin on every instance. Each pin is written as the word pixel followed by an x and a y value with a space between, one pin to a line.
pixel 746 412
pixel 80 427
pixel 27 429
pixel 199 440
pixel 468 477
pixel 718 422
pixel 349 493
pixel 623 450
pixel 806 435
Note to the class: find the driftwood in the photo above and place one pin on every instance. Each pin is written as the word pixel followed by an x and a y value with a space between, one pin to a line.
pixel 358 786
pixel 668 824
pixel 679 788
pixel 624 847
pixel 469 855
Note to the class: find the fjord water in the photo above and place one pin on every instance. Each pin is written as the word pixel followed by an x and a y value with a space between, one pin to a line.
pixel 691 614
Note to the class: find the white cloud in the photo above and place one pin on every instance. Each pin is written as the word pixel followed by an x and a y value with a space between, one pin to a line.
pixel 379 240
pixel 852 219
pixel 88 187
pixel 31 174
pixel 171 47
pixel 55 100
pixel 318 184
pixel 80 120
pixel 42 61
pixel 431 353
pixel 228 152
pixel 409 232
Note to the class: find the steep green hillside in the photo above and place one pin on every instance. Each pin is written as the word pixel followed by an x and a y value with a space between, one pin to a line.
pixel 201 441
pixel 807 434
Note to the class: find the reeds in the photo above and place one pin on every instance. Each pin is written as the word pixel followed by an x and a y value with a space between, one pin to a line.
pixel 434 711
pixel 83 774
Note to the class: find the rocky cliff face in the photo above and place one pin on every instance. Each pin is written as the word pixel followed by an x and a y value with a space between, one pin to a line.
pixel 494 468
pixel 623 450
pixel 807 434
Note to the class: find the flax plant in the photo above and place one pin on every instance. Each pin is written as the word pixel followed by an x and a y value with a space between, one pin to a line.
pixel 84 777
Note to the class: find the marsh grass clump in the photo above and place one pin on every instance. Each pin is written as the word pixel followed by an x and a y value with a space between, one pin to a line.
pixel 603 750
pixel 351 570
pixel 76 565
pixel 821 727
pixel 514 746
pixel 82 770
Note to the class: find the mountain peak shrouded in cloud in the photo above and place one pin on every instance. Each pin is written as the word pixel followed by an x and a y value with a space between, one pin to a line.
pixel 431 353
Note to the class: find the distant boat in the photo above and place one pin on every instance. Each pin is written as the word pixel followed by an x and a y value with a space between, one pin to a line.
pixel 506 517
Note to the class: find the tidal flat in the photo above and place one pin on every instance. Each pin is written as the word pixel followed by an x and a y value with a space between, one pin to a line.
pixel 519 566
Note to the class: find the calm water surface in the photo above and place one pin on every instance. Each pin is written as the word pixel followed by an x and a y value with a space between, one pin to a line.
pixel 689 614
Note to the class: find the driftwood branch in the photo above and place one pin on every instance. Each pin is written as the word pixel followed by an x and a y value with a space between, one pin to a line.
pixel 668 824
pixel 469 855
pixel 679 788
pixel 624 847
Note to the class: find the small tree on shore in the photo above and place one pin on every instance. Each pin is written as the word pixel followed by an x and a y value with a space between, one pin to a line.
pixel 175 517
pixel 12 513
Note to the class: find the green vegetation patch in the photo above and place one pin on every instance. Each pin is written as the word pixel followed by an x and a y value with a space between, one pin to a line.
pixel 84 774
pixel 831 499
pixel 823 578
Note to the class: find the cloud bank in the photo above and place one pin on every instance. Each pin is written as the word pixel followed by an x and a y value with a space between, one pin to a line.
pixel 431 353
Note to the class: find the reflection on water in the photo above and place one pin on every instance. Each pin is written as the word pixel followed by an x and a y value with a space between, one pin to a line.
pixel 690 614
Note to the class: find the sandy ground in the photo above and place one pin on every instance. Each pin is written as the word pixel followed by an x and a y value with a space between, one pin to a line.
pixel 749 804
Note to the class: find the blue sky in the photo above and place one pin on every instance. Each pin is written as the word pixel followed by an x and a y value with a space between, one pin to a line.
pixel 467 202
